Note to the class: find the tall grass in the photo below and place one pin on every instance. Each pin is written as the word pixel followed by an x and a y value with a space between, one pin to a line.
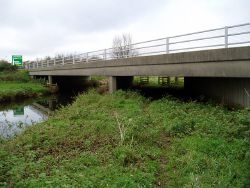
pixel 16 76
pixel 125 140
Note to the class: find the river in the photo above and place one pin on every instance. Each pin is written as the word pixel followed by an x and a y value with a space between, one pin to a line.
pixel 14 117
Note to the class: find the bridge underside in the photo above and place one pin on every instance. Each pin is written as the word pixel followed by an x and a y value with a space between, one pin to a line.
pixel 222 73
pixel 230 91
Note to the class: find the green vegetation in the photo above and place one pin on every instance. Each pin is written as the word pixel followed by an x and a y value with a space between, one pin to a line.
pixel 153 81
pixel 16 84
pixel 14 76
pixel 10 91
pixel 5 66
pixel 98 78
pixel 125 140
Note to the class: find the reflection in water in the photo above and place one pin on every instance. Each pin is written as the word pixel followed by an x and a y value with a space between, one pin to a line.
pixel 14 119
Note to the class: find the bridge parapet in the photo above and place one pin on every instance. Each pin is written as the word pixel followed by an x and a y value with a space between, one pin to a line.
pixel 224 37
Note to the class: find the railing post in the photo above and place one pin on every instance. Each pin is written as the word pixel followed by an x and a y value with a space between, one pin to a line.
pixel 167 45
pixel 37 64
pixel 226 37
pixel 87 57
pixel 73 59
pixel 54 61
pixel 47 63
pixel 63 60
pixel 105 54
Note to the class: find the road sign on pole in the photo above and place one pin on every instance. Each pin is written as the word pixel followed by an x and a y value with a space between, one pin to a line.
pixel 17 60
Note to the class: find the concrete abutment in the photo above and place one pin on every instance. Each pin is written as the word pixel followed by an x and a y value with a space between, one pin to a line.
pixel 228 91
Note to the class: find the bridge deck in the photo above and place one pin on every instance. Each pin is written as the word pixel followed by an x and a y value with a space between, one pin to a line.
pixel 227 62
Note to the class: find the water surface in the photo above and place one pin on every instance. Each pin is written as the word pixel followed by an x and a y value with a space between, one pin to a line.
pixel 14 117
pixel 12 121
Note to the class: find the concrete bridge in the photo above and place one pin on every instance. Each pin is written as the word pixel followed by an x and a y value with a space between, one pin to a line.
pixel 218 69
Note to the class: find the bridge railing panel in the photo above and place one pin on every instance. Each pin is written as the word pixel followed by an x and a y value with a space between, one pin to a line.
pixel 239 35
pixel 224 37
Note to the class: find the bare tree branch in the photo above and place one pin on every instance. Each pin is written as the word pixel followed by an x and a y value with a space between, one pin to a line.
pixel 122 46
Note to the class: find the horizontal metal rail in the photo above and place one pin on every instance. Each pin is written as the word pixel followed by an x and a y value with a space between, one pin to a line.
pixel 196 47
pixel 235 43
pixel 198 39
pixel 235 35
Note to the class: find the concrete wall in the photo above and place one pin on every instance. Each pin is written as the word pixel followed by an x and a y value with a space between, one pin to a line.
pixel 230 91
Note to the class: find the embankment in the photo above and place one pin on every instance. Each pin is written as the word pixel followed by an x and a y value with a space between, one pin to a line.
pixel 16 85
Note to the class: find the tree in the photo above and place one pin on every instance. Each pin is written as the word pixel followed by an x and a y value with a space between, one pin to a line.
pixel 122 47
pixel 6 66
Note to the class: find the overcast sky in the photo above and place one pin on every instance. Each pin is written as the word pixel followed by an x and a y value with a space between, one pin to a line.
pixel 37 28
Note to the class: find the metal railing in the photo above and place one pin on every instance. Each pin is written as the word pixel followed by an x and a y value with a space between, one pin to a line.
pixel 224 37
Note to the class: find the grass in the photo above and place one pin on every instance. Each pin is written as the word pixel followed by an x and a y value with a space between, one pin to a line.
pixel 10 91
pixel 125 140
pixel 16 85
pixel 98 78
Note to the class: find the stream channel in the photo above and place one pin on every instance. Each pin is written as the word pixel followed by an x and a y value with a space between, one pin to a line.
pixel 14 117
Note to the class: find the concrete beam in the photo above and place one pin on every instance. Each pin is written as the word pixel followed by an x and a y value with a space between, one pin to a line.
pixel 231 62
pixel 214 55
pixel 205 69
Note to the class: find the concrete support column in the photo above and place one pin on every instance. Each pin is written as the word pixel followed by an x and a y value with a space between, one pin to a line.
pixel 176 80
pixel 112 84
pixel 119 82
pixel 229 91
pixel 50 81
pixel 168 81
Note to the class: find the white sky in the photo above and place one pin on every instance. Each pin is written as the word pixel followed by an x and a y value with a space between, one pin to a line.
pixel 37 28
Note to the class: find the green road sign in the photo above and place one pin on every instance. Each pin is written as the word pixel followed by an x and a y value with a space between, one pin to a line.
pixel 17 60
pixel 18 111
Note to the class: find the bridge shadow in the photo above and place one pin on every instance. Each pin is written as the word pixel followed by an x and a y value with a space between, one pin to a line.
pixel 179 93
pixel 158 92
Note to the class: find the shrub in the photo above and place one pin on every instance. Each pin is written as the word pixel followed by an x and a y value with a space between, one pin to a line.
pixel 6 66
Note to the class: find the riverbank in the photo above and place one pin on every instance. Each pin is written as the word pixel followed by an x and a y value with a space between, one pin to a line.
pixel 125 140
pixel 13 91
pixel 16 85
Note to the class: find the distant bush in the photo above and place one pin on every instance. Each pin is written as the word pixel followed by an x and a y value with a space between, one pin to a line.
pixel 17 76
pixel 6 66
